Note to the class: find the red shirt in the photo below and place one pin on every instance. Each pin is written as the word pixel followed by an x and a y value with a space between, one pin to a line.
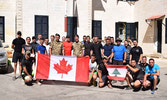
pixel 67 48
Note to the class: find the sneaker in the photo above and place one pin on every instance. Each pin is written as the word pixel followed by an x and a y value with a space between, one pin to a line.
pixel 94 83
pixel 38 83
pixel 14 78
pixel 128 88
pixel 153 91
pixel 19 76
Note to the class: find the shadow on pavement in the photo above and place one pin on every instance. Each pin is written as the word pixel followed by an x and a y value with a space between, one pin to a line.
pixel 52 82
pixel 165 74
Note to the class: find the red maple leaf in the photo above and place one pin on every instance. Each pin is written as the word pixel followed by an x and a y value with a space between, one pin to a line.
pixel 62 68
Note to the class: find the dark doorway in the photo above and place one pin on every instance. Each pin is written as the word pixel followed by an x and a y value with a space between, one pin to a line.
pixel 41 26
pixel 159 36
pixel 2 28
pixel 97 28
pixel 71 27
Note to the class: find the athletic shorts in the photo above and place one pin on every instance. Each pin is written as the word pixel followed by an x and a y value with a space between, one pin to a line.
pixel 104 79
pixel 152 80
pixel 17 56
pixel 91 73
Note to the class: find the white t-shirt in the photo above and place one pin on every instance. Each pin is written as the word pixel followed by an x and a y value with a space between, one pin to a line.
pixel 92 66
pixel 47 48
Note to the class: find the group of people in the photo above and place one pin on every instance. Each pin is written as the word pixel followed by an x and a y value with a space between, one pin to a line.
pixel 101 53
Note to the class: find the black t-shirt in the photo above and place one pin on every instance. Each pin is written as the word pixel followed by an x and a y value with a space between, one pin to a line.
pixel 34 46
pixel 96 47
pixel 142 71
pixel 135 75
pixel 103 68
pixel 27 47
pixel 18 42
pixel 88 48
pixel 28 64
pixel 136 52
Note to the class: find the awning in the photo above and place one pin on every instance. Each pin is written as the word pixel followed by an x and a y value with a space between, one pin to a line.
pixel 155 17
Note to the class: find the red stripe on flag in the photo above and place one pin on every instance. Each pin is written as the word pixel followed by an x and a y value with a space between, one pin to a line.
pixel 65 24
pixel 82 69
pixel 116 66
pixel 43 66
pixel 116 78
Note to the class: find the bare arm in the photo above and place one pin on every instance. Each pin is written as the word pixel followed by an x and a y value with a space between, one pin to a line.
pixel 99 73
pixel 22 51
pixel 157 73
pixel 141 55
pixel 133 69
pixel 91 52
pixel 83 50
pixel 102 52
pixel 50 51
pixel 12 46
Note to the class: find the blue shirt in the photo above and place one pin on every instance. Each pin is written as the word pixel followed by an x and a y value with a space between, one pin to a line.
pixel 153 69
pixel 107 50
pixel 41 48
pixel 119 52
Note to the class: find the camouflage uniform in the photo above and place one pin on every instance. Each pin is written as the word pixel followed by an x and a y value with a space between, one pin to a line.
pixel 77 48
pixel 56 48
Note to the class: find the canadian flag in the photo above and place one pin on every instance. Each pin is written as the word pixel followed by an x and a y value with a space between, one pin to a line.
pixel 65 68
pixel 116 72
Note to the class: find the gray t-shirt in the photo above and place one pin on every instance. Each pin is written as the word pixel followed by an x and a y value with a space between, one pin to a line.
pixel 135 75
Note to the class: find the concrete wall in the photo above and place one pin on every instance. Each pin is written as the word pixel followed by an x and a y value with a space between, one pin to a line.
pixel 144 9
pixel 54 9
pixel 7 9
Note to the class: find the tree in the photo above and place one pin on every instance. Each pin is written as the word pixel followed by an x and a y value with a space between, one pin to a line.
pixel 116 72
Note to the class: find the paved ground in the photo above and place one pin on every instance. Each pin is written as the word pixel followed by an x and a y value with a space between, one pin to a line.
pixel 52 90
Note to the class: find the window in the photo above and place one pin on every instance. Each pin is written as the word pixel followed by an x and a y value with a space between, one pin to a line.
pixel 71 27
pixel 123 30
pixel 2 28
pixel 41 26
pixel 97 28
pixel 166 30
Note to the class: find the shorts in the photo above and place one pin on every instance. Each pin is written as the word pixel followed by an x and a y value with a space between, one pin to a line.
pixel 117 62
pixel 104 78
pixel 17 56
pixel 91 73
pixel 151 80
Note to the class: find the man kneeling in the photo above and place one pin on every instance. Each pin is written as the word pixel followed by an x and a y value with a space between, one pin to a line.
pixel 133 75
pixel 103 73
pixel 152 76
pixel 26 64
pixel 92 71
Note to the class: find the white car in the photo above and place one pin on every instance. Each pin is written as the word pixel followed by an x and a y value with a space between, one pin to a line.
pixel 3 58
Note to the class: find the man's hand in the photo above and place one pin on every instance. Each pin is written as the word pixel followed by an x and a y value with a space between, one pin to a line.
pixel 110 60
pixel 100 81
pixel 124 61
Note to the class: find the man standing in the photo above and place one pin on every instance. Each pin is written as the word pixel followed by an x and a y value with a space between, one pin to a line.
pixel 56 47
pixel 107 50
pixel 67 46
pixel 128 48
pixel 78 47
pixel 27 46
pixel 112 41
pixel 96 50
pixel 39 37
pixel 46 44
pixel 88 46
pixel 41 49
pixel 152 75
pixel 17 55
pixel 119 53
pixel 136 52
pixel 52 38
pixel 34 44
pixel 84 39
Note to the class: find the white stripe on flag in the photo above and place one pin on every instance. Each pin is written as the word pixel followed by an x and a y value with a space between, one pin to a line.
pixel 117 72
pixel 54 75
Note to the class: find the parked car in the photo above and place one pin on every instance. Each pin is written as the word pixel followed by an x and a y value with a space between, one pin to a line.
pixel 3 58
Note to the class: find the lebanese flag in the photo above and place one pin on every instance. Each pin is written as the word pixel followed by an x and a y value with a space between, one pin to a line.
pixel 64 68
pixel 116 72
